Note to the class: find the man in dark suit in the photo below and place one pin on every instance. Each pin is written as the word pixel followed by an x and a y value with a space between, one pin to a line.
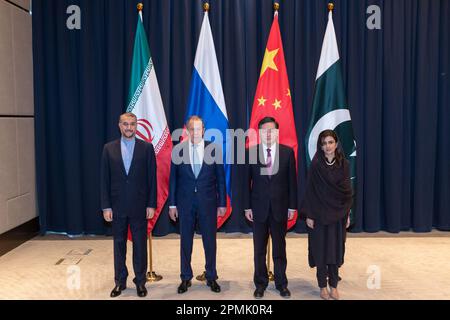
pixel 197 193
pixel 128 196
pixel 270 200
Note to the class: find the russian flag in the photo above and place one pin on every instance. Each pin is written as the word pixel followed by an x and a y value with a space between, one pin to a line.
pixel 206 99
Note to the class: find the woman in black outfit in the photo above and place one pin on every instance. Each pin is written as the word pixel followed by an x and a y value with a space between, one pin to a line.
pixel 326 207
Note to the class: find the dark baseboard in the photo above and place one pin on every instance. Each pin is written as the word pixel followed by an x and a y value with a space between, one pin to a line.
pixel 15 237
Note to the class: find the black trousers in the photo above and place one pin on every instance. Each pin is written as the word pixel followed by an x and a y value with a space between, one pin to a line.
pixel 331 271
pixel 261 232
pixel 139 236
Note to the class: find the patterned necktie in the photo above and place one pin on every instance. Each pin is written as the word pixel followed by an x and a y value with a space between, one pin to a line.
pixel 269 162
pixel 196 160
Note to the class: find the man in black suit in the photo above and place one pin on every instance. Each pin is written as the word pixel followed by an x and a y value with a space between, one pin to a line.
pixel 270 200
pixel 128 196
pixel 197 193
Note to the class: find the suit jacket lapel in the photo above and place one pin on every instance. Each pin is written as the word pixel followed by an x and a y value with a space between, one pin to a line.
pixel 187 165
pixel 136 146
pixel 203 160
pixel 262 161
pixel 277 161
pixel 118 150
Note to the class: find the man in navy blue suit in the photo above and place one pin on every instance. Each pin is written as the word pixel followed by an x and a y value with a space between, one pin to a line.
pixel 128 198
pixel 197 193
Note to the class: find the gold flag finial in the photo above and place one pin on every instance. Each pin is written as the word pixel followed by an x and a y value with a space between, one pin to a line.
pixel 206 6
pixel 330 6
pixel 140 6
pixel 276 6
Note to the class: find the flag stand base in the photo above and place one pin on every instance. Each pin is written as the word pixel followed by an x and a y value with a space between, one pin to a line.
pixel 153 277
pixel 202 277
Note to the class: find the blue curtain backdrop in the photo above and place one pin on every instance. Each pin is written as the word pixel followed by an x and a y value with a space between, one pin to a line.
pixel 396 79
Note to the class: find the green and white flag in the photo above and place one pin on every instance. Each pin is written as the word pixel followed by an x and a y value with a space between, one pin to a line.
pixel 144 100
pixel 330 109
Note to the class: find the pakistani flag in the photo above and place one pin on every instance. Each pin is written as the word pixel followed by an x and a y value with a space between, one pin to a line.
pixel 330 108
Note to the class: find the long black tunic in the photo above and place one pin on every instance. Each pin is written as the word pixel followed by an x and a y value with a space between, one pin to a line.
pixel 327 201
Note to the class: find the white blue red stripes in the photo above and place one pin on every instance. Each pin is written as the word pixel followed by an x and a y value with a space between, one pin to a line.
pixel 206 98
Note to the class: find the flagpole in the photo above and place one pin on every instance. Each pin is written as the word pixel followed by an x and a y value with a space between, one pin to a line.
pixel 140 6
pixel 151 275
pixel 330 6
pixel 276 7
pixel 202 277
pixel 269 272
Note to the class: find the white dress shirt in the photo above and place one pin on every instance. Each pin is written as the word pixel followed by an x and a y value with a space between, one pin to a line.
pixel 273 152
pixel 201 154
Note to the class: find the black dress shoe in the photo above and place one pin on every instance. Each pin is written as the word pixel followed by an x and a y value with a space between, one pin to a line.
pixel 117 291
pixel 141 290
pixel 213 285
pixel 185 284
pixel 284 292
pixel 259 293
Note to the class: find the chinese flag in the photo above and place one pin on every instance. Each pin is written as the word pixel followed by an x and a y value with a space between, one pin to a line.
pixel 273 95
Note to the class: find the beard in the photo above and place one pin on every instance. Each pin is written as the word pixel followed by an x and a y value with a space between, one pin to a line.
pixel 129 134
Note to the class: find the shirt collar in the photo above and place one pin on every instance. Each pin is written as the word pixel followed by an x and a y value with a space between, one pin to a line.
pixel 128 141
pixel 200 144
pixel 272 147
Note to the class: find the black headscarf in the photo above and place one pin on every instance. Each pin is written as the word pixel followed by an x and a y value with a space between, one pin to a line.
pixel 328 195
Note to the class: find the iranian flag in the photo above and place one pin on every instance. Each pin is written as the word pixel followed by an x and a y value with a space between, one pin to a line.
pixel 144 100
pixel 330 109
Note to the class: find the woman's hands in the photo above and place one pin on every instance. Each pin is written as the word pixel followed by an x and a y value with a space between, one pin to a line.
pixel 310 223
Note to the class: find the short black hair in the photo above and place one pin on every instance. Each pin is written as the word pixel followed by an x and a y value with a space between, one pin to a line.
pixel 268 120
pixel 127 115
